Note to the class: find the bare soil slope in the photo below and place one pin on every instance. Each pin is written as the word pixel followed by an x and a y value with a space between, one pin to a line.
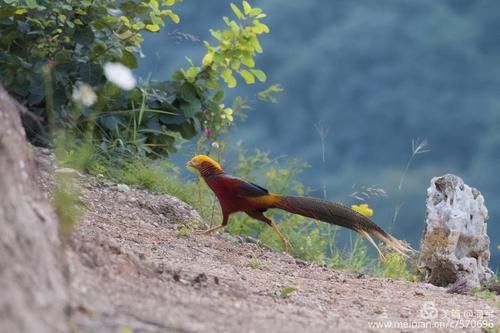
pixel 130 270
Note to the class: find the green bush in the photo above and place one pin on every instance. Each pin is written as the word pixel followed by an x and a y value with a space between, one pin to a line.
pixel 54 51
pixel 47 46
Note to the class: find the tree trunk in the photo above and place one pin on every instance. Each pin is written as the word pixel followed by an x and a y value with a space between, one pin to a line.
pixel 33 290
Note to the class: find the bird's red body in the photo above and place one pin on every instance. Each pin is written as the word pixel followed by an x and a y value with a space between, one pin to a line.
pixel 238 195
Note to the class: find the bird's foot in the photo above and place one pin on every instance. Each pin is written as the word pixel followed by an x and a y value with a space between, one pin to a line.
pixel 207 231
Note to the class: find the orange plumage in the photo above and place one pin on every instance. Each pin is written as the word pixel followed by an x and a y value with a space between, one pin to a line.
pixel 237 195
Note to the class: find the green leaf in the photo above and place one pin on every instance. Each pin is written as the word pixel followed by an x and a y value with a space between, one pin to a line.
pixel 216 34
pixel 138 26
pixel 260 75
pixel 255 12
pixel 227 76
pixel 31 3
pixel 167 12
pixel 84 35
pixel 248 61
pixel 99 48
pixel 178 75
pixel 268 95
pixel 260 28
pixel 208 59
pixel 192 108
pixel 7 12
pixel 154 4
pixel 246 7
pixel 188 92
pixel 174 17
pixel 152 27
pixel 110 122
pixel 256 45
pixel 219 95
pixel 191 73
pixel 247 76
pixel 287 291
pixel 231 82
pixel 90 73
pixel 187 130
pixel 129 59
pixel 237 11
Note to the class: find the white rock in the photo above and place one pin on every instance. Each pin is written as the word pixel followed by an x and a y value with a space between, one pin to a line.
pixel 455 245
pixel 123 187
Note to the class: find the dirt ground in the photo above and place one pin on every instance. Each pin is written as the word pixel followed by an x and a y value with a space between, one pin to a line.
pixel 129 271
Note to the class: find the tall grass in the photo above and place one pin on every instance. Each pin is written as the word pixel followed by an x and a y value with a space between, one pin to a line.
pixel 417 147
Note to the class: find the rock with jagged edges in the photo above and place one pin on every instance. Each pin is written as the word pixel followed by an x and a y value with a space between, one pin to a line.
pixel 455 245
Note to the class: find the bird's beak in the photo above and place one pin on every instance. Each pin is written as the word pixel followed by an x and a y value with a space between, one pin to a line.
pixel 190 164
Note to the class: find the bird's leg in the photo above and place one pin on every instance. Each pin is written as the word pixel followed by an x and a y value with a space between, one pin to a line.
pixel 211 230
pixel 259 215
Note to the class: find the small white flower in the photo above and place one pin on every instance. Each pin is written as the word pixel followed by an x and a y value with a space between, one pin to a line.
pixel 215 145
pixel 120 75
pixel 84 94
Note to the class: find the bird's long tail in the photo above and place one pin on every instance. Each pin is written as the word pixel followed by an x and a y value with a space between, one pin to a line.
pixel 335 213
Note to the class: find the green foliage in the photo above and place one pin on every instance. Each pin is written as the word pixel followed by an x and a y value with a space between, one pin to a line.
pixel 70 40
pixel 157 176
pixel 309 242
pixel 52 55
pixel 66 203
pixel 80 155
pixel 486 294
pixel 394 266
pixel 254 262
pixel 492 329
pixel 234 52
pixel 269 94
pixel 237 46
pixel 188 228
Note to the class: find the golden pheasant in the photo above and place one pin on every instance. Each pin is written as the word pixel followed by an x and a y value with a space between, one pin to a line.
pixel 237 195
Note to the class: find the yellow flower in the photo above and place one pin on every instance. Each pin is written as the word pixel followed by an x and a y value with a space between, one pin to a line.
pixel 363 209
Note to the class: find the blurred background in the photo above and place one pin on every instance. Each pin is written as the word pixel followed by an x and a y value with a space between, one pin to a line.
pixel 372 77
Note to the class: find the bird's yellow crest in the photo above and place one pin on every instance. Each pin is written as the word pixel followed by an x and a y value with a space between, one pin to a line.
pixel 201 162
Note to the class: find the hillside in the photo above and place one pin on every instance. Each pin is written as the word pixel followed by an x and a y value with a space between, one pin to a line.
pixel 129 270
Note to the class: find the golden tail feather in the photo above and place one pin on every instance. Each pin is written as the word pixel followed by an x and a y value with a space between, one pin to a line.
pixel 337 214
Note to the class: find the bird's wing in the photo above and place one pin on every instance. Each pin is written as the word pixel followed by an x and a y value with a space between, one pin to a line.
pixel 249 189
